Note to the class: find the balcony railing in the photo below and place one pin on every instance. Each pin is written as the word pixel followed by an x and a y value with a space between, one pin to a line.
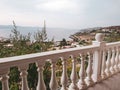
pixel 103 62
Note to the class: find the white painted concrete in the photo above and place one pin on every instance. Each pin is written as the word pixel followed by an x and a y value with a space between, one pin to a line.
pixel 112 83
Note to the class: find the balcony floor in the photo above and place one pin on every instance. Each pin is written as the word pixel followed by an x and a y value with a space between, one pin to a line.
pixel 112 83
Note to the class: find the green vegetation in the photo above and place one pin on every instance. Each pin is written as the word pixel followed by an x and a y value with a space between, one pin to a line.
pixel 112 37
pixel 63 42
pixel 22 45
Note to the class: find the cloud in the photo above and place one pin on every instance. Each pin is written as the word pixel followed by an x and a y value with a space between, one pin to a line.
pixel 60 13
pixel 62 6
pixel 57 5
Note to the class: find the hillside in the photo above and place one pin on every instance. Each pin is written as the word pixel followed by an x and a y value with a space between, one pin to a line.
pixel 112 33
pixel 96 29
pixel 113 28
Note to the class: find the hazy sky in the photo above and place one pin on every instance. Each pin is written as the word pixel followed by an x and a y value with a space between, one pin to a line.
pixel 61 13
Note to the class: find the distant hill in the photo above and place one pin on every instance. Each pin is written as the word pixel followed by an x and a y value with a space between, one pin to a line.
pixel 88 30
pixel 112 33
pixel 113 28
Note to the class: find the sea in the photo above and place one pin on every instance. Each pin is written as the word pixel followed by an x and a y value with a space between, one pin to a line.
pixel 57 33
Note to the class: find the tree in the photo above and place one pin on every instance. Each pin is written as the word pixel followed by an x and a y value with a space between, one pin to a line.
pixel 14 78
pixel 15 33
pixel 38 36
pixel 14 87
pixel 32 76
pixel 17 38
pixel 41 36
pixel 63 42
pixel 44 33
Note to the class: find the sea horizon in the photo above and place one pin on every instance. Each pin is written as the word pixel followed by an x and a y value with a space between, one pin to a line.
pixel 57 33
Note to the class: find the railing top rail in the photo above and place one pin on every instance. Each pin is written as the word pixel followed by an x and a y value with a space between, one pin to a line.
pixel 31 58
pixel 112 45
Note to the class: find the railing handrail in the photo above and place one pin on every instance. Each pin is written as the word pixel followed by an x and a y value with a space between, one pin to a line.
pixel 113 43
pixel 44 56
pixel 36 56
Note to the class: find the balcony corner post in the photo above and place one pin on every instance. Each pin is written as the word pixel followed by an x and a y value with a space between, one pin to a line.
pixel 97 57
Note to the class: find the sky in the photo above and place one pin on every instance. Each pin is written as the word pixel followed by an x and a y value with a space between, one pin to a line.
pixel 76 14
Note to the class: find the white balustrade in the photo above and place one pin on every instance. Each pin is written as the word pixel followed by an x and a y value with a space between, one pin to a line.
pixel 103 74
pixel 23 73
pixel 81 82
pixel 103 61
pixel 73 76
pixel 112 61
pixel 64 77
pixel 41 84
pixel 53 81
pixel 89 70
pixel 108 63
pixel 119 59
pixel 4 78
pixel 116 67
pixel 97 57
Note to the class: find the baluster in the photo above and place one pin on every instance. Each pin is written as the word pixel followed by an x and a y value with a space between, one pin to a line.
pixel 4 79
pixel 23 69
pixel 112 61
pixel 108 63
pixel 103 64
pixel 117 60
pixel 73 76
pixel 53 82
pixel 64 78
pixel 89 70
pixel 81 82
pixel 41 84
